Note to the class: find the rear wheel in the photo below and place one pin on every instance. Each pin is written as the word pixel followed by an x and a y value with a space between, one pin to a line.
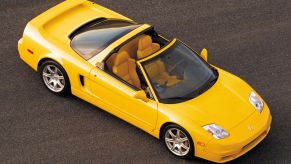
pixel 178 141
pixel 55 78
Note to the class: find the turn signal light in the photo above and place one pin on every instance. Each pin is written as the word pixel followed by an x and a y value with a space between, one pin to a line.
pixel 30 51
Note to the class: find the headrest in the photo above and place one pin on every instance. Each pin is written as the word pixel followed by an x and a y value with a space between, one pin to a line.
pixel 121 57
pixel 144 42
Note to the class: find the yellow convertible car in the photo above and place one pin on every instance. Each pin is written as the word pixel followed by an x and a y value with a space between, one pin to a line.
pixel 161 86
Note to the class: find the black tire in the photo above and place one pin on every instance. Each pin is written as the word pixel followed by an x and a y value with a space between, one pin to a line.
pixel 66 90
pixel 190 153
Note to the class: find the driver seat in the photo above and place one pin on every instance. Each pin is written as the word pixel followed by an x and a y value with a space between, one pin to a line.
pixel 159 74
pixel 157 70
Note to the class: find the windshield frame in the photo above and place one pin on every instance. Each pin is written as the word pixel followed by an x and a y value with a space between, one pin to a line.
pixel 207 85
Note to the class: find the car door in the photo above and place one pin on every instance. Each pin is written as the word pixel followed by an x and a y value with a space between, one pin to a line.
pixel 118 99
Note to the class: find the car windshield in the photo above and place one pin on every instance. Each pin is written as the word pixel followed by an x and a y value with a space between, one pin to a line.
pixel 179 74
pixel 95 38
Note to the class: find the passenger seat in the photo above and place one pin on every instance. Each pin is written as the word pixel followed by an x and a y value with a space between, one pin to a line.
pixel 125 68
pixel 156 70
pixel 146 47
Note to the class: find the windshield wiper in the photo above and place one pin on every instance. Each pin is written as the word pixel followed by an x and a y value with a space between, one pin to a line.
pixel 177 98
pixel 172 100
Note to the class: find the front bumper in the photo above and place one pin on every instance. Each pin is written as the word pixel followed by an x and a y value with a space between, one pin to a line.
pixel 242 138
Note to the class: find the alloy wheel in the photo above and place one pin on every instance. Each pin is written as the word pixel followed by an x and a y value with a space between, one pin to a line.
pixel 177 142
pixel 53 78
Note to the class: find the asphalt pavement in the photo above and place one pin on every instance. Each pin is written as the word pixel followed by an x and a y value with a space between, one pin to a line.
pixel 250 38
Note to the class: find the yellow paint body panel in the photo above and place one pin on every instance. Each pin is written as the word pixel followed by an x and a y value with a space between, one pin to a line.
pixel 226 103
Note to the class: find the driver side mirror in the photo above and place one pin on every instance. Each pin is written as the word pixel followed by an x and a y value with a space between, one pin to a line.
pixel 141 95
pixel 204 54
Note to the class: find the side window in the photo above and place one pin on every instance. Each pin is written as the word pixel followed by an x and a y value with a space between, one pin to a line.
pixel 122 67
pixel 126 68
pixel 144 84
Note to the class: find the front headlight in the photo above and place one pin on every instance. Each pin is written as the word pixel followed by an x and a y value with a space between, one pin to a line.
pixel 216 131
pixel 256 102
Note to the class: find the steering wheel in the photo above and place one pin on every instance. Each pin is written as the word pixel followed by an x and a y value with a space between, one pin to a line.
pixel 160 87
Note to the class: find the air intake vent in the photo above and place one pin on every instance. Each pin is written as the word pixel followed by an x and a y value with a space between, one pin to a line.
pixel 82 80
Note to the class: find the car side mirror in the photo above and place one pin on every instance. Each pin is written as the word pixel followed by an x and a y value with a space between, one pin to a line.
pixel 204 54
pixel 141 95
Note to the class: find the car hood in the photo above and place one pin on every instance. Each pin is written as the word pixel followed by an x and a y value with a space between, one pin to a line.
pixel 225 103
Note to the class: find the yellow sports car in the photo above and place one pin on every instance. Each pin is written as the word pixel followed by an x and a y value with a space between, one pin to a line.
pixel 161 86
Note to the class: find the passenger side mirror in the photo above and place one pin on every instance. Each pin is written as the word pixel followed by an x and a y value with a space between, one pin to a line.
pixel 141 95
pixel 204 54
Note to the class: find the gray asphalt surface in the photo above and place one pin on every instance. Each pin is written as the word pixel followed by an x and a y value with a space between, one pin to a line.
pixel 250 38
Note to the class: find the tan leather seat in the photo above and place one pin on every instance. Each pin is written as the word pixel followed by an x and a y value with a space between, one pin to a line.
pixel 125 68
pixel 131 47
pixel 146 46
pixel 159 74
pixel 156 70
pixel 110 61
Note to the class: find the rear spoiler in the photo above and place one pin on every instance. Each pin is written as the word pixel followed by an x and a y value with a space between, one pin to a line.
pixel 55 11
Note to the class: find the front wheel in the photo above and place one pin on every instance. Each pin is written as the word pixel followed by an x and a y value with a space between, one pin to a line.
pixel 178 141
pixel 55 78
